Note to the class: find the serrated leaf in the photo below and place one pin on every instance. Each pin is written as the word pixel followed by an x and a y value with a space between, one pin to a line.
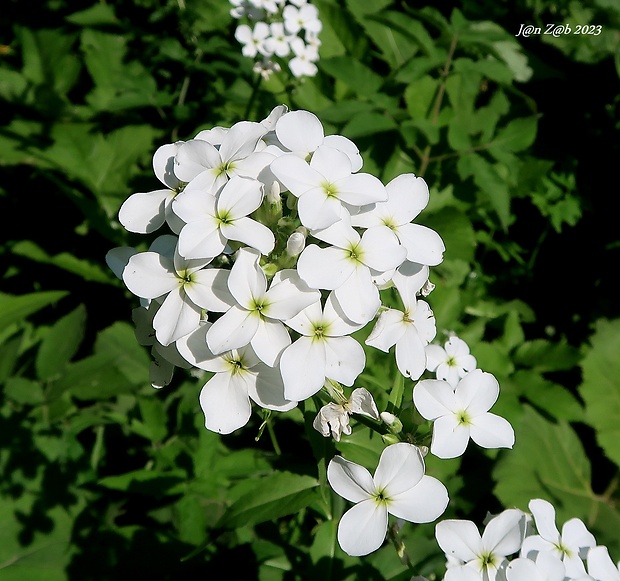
pixel 269 498
pixel 61 343
pixel 600 388
pixel 14 309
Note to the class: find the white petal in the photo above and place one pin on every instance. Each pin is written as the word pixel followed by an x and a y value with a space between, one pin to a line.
pixel 194 157
pixel 400 468
pixel 144 213
pixel 176 317
pixel 362 528
pixel 225 403
pixel 576 536
pixel 544 517
pixel 163 164
pixel 347 147
pixel 332 164
pixel 358 297
pixel 318 210
pixel 410 354
pixel 459 539
pixel 194 349
pixel 359 189
pixel 433 398
pixel 270 339
pixel 300 131
pixel 361 402
pixel 150 275
pixel 337 323
pixel 117 259
pixel 477 391
pixel 345 359
pixel 350 480
pixel 423 245
pixel 247 281
pixel 424 502
pixel 524 570
pixel 303 368
pixel 388 329
pixel 234 329
pixel 381 250
pixel 600 565
pixel 201 239
pixel 325 268
pixel 295 174
pixel 209 289
pixel 241 139
pixel 491 431
pixel 250 232
pixel 268 390
pixel 288 296
pixel 240 197
pixel 407 196
pixel 450 438
pixel 502 534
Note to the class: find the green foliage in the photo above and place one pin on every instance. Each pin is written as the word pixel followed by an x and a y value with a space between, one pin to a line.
pixel 105 477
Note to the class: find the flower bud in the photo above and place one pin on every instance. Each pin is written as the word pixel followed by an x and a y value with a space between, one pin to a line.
pixel 296 242
pixel 393 423
pixel 390 439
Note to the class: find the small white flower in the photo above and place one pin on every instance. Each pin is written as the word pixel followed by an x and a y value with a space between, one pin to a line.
pixel 451 362
pixel 461 413
pixel 485 555
pixel 398 487
pixel 571 545
pixel 253 40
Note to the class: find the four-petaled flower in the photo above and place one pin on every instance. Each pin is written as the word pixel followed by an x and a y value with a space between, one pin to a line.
pixel 398 487
pixel 461 413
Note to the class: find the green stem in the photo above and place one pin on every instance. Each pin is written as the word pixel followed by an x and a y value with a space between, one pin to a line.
pixel 255 87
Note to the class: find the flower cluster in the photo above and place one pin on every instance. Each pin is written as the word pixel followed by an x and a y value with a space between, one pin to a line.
pixel 277 30
pixel 519 546
pixel 277 250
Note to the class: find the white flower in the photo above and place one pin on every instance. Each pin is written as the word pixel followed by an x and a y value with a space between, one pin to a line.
pixel 333 418
pixel 349 265
pixel 213 220
pixel 266 68
pixel 407 196
pixel 305 17
pixel 212 167
pixel 451 362
pixel 239 377
pixel 465 549
pixel 571 545
pixel 257 315
pixel 253 40
pixel 461 413
pixel 184 286
pixel 600 565
pixel 302 64
pixel 399 487
pixel 279 41
pixel 146 212
pixel 410 330
pixel 323 351
pixel 325 184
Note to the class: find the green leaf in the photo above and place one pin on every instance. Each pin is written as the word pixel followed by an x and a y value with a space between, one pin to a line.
pixel 61 343
pixel 24 391
pixel 14 309
pixel 362 80
pixel 97 15
pixel 84 268
pixel 549 462
pixel 148 482
pixel 368 124
pixel 518 135
pixel 419 97
pixel 543 355
pixel 269 498
pixel 600 388
pixel 118 342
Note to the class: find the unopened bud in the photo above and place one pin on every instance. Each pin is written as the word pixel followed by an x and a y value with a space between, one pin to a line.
pixel 390 439
pixel 296 242
pixel 393 423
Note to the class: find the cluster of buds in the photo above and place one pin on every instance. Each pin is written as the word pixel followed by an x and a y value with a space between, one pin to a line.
pixel 277 31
